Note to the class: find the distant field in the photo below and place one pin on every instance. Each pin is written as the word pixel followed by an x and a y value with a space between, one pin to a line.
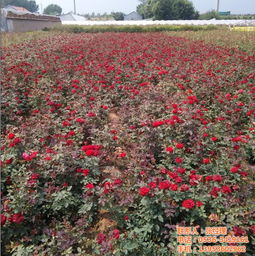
pixel 243 40
pixel 237 37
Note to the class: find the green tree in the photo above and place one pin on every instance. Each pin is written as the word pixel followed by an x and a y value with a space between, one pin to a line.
pixel 164 10
pixel 145 8
pixel 167 9
pixel 29 5
pixel 118 15
pixel 185 10
pixel 53 9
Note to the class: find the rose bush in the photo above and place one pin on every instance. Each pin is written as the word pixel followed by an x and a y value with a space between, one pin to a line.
pixel 141 132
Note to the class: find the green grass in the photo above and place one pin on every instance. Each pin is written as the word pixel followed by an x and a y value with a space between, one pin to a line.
pixel 130 28
pixel 222 36
pixel 242 40
pixel 8 39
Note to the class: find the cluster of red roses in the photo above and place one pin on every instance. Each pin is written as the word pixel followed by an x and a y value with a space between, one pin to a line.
pixel 14 218
pixel 91 150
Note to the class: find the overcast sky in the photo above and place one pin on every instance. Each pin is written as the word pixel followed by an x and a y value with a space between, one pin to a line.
pixel 127 6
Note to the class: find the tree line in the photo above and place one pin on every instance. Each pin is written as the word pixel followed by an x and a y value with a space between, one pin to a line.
pixel 149 9
pixel 30 5
pixel 155 9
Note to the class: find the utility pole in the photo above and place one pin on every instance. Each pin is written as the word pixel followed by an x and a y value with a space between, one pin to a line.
pixel 74 6
pixel 218 6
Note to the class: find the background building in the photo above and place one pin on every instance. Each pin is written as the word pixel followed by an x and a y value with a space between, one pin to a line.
pixel 133 16
pixel 72 17
pixel 18 19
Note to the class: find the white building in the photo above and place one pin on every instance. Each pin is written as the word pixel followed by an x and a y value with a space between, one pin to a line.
pixel 133 16
pixel 72 17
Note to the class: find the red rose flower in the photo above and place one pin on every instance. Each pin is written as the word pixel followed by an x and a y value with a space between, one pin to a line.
pixel 238 231
pixel 173 187
pixel 181 170
pixel 214 192
pixel 9 161
pixel 80 120
pixel 234 169
pixel 16 218
pixel 66 123
pixel 65 185
pixel 178 179
pixel 16 141
pixel 206 161
pixel 209 178
pixel 235 187
pixel 92 152
pixel 48 158
pixel 199 203
pixel 91 114
pixel 101 238
pixel 217 178
pixel 252 228
pixel 29 157
pixel 11 135
pixel 164 184
pixel 243 174
pixel 116 234
pixel 169 149
pixel 122 155
pixel 144 191
pixel 178 160
pixel 104 107
pixel 71 133
pixel 184 187
pixel 188 204
pixel 89 186
pixel 158 123
pixel 179 145
pixel 152 184
pixel 3 219
pixel 214 139
pixel 35 176
pixel 85 172
pixel 226 190
pixel 117 182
